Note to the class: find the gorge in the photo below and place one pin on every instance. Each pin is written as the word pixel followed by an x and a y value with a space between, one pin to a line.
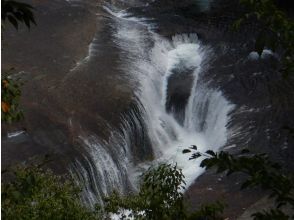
pixel 114 87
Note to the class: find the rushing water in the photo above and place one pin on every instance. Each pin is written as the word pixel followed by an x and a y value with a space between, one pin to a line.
pixel 158 69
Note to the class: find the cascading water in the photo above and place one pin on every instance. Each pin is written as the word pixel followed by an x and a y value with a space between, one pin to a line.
pixel 157 68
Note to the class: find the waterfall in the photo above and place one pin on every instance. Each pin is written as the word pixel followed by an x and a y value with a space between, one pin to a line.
pixel 175 109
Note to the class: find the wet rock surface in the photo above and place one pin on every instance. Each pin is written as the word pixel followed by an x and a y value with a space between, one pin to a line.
pixel 64 93
pixel 262 98
pixel 67 94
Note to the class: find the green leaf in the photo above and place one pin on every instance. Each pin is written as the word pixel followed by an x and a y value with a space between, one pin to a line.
pixel 186 151
pixel 13 21
pixel 211 153
pixel 195 156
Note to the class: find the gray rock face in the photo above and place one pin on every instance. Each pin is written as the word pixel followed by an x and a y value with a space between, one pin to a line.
pixel 73 87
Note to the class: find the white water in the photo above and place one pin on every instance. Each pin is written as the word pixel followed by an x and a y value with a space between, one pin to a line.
pixel 149 60
pixel 15 133
pixel 105 171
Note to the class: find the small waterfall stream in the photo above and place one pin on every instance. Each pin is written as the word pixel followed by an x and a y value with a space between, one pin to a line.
pixel 158 68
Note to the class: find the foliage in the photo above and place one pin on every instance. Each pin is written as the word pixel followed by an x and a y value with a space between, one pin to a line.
pixel 271 214
pixel 10 94
pixel 160 197
pixel 17 12
pixel 260 172
pixel 276 33
pixel 208 212
pixel 33 193
pixel 277 30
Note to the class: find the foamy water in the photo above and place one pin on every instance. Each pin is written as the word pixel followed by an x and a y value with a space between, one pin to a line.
pixel 149 60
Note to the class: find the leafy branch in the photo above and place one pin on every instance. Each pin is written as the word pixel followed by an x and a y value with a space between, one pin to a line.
pixel 160 197
pixel 35 193
pixel 260 171
pixel 277 30
pixel 17 12
pixel 10 94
